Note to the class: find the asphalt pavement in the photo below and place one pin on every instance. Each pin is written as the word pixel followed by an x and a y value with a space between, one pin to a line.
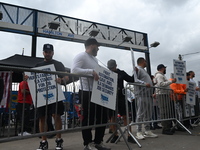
pixel 181 140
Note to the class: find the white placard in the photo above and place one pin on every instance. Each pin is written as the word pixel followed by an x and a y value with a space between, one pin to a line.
pixel 180 71
pixel 104 90
pixel 130 95
pixel 172 75
pixel 133 63
pixel 41 86
pixel 189 110
pixel 190 95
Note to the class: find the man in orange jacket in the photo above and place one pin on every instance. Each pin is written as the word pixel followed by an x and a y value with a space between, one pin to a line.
pixel 179 95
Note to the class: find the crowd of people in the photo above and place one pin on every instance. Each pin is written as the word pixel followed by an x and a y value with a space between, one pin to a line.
pixel 85 64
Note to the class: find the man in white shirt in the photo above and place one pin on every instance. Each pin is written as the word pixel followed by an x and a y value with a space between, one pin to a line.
pixel 85 63
pixel 162 94
pixel 196 106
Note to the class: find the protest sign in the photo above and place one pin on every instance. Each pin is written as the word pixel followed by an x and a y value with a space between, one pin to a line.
pixel 105 89
pixel 46 88
pixel 130 95
pixel 190 95
pixel 171 75
pixel 180 71
pixel 189 110
pixel 133 63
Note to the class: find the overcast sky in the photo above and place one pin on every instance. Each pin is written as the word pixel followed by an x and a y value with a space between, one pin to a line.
pixel 174 23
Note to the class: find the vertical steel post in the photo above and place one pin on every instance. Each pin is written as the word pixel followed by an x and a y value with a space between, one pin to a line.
pixel 34 36
pixel 147 57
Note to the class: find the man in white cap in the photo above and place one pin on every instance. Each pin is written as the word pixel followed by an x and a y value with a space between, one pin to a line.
pixel 163 97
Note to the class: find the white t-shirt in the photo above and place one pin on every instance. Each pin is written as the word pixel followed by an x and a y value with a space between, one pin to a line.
pixel 85 64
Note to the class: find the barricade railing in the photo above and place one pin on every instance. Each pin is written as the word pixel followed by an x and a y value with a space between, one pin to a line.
pixel 150 104
pixel 186 113
pixel 75 107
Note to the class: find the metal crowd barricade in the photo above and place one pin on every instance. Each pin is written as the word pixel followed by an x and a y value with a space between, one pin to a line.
pixel 197 111
pixel 142 107
pixel 187 112
pixel 72 120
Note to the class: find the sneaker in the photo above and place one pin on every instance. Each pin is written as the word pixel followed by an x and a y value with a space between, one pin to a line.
pixel 152 127
pixel 173 130
pixel 101 146
pixel 194 125
pixel 90 146
pixel 24 134
pixel 167 132
pixel 131 140
pixel 139 136
pixel 115 137
pixel 150 134
pixel 157 127
pixel 110 131
pixel 20 134
pixel 43 145
pixel 59 144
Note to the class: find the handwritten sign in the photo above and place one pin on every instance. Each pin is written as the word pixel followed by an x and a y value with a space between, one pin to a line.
pixel 46 86
pixel 133 63
pixel 105 89
pixel 180 71
pixel 190 96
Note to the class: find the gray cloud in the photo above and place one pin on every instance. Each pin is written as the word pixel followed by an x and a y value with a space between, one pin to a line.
pixel 173 23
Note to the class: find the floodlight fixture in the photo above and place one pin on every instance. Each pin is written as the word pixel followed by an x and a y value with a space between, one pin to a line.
pixel 1 15
pixel 154 44
pixel 54 25
pixel 127 39
pixel 180 57
pixel 94 32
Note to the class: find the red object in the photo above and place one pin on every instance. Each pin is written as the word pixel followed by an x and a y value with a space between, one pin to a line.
pixel 28 98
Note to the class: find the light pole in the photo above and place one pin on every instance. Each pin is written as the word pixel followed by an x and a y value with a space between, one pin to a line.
pixel 154 44
pixel 180 57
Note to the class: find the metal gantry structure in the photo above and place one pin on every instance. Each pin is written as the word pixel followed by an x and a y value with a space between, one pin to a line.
pixel 36 23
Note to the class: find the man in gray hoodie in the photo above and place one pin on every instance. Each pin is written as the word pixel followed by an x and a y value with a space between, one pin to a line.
pixel 162 94
pixel 144 100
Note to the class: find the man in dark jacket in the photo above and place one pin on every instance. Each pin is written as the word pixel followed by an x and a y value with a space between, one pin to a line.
pixel 122 76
